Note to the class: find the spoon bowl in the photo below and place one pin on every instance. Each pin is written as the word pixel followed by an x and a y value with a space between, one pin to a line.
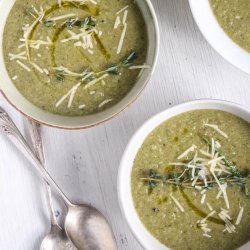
pixel 56 239
pixel 88 228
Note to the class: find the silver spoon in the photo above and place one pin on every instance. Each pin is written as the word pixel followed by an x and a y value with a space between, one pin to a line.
pixel 86 227
pixel 57 238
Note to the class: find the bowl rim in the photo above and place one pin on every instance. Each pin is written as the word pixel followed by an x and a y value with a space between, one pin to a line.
pixel 217 37
pixel 148 241
pixel 114 110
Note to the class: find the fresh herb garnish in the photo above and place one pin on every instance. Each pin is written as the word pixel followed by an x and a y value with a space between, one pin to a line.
pixel 88 23
pixel 193 177
pixel 113 70
pixel 59 75
pixel 125 63
pixel 48 23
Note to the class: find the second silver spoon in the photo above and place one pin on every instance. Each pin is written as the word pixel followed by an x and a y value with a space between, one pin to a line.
pixel 57 238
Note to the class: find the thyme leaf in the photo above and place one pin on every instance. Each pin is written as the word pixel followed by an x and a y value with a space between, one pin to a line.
pixel 88 23
pixel 59 75
pixel 124 63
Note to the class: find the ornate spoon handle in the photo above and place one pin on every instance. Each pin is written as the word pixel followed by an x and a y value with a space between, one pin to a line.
pixel 8 127
pixel 35 133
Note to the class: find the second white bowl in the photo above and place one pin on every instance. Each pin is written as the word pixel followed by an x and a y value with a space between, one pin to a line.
pixel 126 165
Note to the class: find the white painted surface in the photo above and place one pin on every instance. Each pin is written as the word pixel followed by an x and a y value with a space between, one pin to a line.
pixel 85 163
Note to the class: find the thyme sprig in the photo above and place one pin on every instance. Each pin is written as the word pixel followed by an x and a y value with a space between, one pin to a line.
pixel 61 74
pixel 191 178
pixel 155 178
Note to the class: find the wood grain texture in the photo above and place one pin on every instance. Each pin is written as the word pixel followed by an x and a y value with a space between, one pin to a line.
pixel 85 163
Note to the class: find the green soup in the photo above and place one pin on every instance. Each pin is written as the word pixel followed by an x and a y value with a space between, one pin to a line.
pixel 75 57
pixel 174 185
pixel 234 18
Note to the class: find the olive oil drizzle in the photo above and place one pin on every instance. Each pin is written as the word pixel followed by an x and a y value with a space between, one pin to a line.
pixel 92 10
pixel 197 210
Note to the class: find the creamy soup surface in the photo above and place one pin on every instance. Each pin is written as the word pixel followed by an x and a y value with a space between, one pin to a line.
pixel 190 181
pixel 234 18
pixel 75 57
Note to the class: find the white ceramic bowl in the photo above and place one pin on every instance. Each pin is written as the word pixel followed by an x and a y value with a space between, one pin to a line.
pixel 124 176
pixel 27 108
pixel 215 35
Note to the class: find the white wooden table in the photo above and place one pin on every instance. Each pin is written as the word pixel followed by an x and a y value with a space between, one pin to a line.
pixel 85 163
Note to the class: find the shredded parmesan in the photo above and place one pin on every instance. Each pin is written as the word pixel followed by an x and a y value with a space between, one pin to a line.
pixel 239 217
pixel 209 207
pixel 70 93
pixel 105 102
pixel 23 66
pixel 209 215
pixel 140 67
pixel 46 71
pixel 82 106
pixel 61 17
pixel 20 56
pixel 177 203
pixel 226 218
pixel 36 67
pixel 207 235
pixel 95 81
pixel 203 198
pixel 192 148
pixel 216 127
pixel 14 78
pixel 117 22
pixel 121 10
pixel 125 26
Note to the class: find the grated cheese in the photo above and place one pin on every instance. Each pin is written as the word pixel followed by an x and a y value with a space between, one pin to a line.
pixel 239 217
pixel 121 10
pixel 192 148
pixel 46 71
pixel 203 198
pixel 72 94
pixel 140 67
pixel 207 235
pixel 105 102
pixel 209 207
pixel 177 203
pixel 124 19
pixel 30 28
pixel 14 78
pixel 117 22
pixel 36 67
pixel 23 66
pixel 226 218
pixel 61 17
pixel 209 215
pixel 82 106
pixel 216 127
pixel 95 81
pixel 125 26
pixel 20 56
pixel 69 93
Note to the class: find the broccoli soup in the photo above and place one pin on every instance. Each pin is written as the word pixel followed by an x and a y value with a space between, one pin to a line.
pixel 75 57
pixel 234 16
pixel 191 181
